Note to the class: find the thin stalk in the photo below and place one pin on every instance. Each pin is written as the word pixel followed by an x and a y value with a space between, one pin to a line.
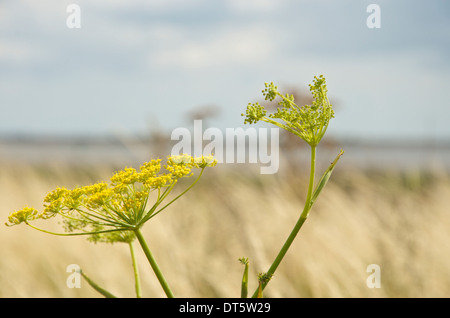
pixel 181 194
pixel 297 226
pixel 273 122
pixel 96 215
pixel 153 263
pixel 142 210
pixel 74 234
pixel 87 215
pixel 137 280
pixel 159 200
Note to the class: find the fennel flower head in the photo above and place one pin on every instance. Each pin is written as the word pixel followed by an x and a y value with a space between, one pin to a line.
pixel 110 212
pixel 309 122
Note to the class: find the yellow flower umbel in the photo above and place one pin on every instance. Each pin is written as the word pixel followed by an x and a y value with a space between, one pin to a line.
pixel 309 122
pixel 116 212
pixel 111 212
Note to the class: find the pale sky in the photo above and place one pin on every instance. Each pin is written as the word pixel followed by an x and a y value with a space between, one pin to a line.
pixel 137 65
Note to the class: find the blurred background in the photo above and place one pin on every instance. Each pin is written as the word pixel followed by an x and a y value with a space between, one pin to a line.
pixel 78 104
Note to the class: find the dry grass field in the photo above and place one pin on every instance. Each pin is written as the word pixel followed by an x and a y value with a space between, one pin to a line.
pixel 398 220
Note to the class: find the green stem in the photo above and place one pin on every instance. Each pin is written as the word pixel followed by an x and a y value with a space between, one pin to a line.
pixel 311 183
pixel 136 271
pixel 297 226
pixel 153 263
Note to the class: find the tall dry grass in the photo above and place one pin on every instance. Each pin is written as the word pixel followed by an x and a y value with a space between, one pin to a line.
pixel 398 220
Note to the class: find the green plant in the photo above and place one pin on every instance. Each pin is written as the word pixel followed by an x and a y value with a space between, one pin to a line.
pixel 116 212
pixel 309 122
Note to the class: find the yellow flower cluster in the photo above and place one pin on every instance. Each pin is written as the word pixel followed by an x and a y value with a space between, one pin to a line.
pixel 24 215
pixel 308 122
pixel 102 209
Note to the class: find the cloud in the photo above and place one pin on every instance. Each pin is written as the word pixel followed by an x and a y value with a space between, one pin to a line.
pixel 146 49
pixel 253 6
pixel 22 54
pixel 232 46
pixel 160 5
pixel 395 94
